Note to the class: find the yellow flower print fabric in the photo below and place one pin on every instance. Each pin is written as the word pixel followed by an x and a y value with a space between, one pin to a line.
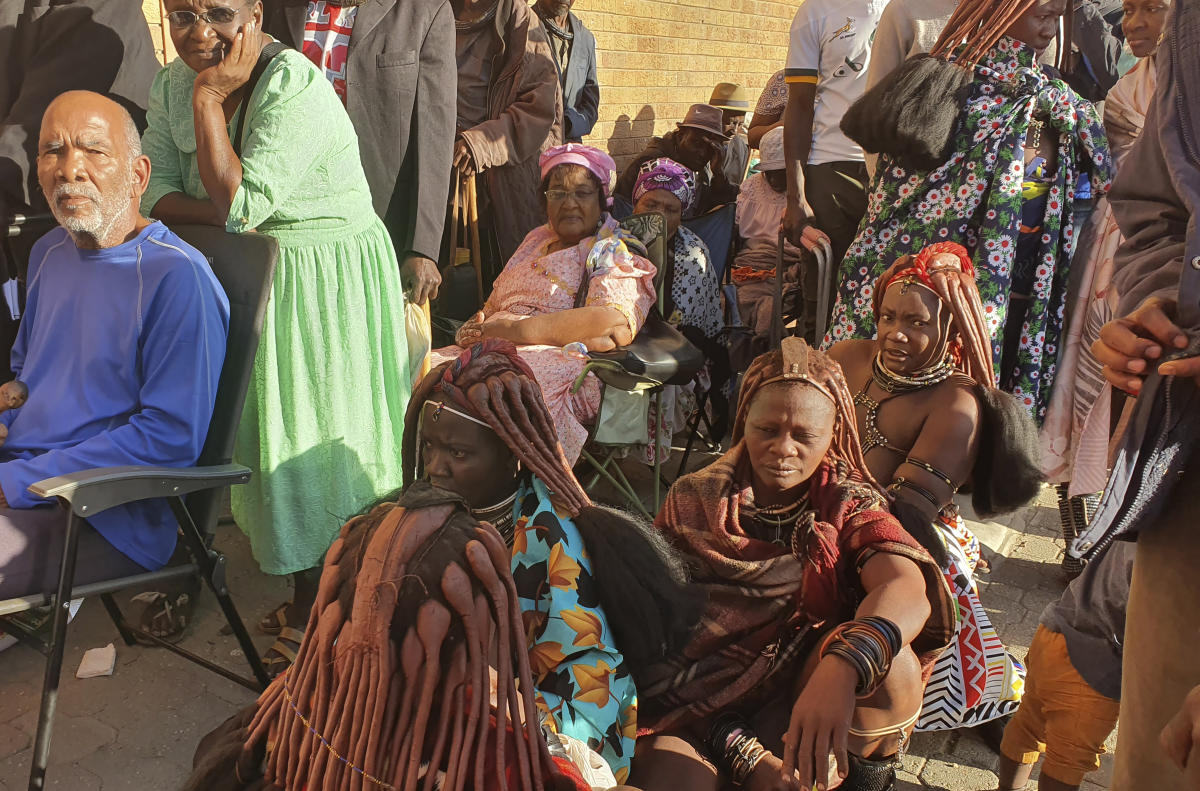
pixel 582 683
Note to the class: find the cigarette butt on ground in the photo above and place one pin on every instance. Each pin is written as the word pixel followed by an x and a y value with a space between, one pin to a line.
pixel 97 662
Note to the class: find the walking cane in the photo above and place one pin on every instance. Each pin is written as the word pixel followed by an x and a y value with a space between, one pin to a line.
pixel 777 314
pixel 473 224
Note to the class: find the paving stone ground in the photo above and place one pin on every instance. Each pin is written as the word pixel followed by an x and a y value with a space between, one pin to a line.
pixel 136 730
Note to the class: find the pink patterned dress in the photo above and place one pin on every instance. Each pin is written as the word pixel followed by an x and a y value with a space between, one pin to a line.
pixel 536 282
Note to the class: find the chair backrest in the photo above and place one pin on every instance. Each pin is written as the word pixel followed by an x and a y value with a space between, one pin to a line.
pixel 716 228
pixel 245 266
pixel 651 229
pixel 622 208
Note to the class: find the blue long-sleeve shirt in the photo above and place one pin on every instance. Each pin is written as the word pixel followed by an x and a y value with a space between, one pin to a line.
pixel 121 349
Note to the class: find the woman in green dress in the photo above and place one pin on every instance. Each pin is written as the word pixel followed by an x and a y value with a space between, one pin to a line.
pixel 325 410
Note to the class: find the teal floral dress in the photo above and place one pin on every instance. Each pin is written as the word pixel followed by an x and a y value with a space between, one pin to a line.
pixel 583 686
pixel 975 199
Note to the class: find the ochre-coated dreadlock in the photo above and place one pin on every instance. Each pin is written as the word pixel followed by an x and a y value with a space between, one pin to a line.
pixel 945 269
pixel 392 676
pixel 977 25
pixel 642 582
pixel 491 382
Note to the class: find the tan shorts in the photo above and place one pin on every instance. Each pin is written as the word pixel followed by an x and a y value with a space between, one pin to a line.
pixel 1060 715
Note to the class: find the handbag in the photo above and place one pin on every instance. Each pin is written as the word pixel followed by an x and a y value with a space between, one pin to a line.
pixel 1150 461
pixel 461 294
pixel 658 354
pixel 913 113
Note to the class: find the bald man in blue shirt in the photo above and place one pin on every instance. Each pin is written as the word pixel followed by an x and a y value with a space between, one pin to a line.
pixel 121 347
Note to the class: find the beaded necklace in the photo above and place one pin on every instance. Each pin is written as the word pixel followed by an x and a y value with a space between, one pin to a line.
pixel 499 516
pixel 891 382
pixel 466 26
pixel 776 519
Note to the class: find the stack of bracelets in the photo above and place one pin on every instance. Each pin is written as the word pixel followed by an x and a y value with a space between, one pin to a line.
pixel 869 645
pixel 734 745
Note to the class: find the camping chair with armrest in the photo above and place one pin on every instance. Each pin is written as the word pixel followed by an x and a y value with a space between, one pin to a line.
pixel 245 267
pixel 658 356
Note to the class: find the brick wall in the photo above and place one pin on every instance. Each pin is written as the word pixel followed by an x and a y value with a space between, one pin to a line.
pixel 656 57
pixel 153 9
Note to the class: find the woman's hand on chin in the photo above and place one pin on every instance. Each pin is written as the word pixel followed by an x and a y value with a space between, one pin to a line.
pixel 820 725
pixel 217 83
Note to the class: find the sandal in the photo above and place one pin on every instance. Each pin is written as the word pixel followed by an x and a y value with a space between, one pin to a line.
pixel 282 653
pixel 275 621
pixel 165 617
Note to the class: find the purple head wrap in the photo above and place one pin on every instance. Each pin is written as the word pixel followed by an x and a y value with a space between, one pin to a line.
pixel 666 174
pixel 598 163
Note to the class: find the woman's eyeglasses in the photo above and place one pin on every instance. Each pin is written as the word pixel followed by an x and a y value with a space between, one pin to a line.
pixel 580 196
pixel 221 15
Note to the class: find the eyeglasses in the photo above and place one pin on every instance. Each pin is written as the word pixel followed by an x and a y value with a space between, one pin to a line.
pixel 580 196
pixel 221 15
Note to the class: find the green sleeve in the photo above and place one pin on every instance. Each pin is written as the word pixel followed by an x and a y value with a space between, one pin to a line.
pixel 294 115
pixel 166 174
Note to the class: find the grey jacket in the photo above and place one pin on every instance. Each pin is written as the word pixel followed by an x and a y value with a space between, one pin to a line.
pixel 1156 196
pixel 401 93
pixel 95 45
pixel 1155 199
pixel 581 89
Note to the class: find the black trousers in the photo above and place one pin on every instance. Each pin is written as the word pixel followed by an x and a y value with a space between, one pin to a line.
pixel 31 546
pixel 837 192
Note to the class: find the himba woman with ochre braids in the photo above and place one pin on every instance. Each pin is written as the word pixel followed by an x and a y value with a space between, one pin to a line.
pixel 391 688
pixel 931 420
pixel 823 614
pixel 601 594
pixel 989 152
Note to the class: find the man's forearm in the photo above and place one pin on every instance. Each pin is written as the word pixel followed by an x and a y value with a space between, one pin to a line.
pixel 797 145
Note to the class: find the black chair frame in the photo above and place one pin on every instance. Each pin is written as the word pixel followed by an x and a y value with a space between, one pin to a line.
pixel 194 495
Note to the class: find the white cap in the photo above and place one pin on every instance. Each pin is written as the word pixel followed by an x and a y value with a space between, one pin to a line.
pixel 770 150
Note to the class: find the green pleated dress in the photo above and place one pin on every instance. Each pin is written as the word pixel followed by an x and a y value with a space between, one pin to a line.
pixel 324 415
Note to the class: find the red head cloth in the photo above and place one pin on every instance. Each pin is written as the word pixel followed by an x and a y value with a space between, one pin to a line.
pixel 945 269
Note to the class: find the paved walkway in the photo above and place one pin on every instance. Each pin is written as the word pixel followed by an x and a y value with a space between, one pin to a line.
pixel 136 730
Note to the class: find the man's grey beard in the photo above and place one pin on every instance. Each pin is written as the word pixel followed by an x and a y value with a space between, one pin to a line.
pixel 97 221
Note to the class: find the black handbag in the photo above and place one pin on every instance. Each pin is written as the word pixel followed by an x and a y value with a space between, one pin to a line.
pixel 658 354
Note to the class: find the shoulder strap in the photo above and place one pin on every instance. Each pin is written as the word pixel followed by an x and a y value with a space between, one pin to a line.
pixel 264 59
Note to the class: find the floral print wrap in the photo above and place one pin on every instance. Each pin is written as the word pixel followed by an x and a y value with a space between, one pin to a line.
pixel 975 199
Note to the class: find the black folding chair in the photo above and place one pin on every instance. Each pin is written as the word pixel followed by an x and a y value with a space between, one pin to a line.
pixel 245 266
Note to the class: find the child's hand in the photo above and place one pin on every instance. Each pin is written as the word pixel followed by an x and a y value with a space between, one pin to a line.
pixel 12 395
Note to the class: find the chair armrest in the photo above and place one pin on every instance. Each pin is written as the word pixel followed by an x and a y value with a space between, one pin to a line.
pixel 92 491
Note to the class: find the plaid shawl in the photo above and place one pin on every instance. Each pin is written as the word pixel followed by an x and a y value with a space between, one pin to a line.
pixel 767 603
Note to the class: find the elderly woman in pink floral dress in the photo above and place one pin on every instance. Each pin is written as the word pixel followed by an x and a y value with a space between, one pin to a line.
pixel 537 303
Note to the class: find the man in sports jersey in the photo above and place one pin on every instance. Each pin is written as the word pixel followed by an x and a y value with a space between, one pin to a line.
pixel 826 72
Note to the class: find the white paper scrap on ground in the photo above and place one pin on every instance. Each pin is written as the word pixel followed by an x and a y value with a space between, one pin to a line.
pixel 97 662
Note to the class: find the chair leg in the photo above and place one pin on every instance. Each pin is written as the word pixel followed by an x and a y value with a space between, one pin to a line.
pixel 693 430
pixel 54 659
pixel 212 569
pixel 118 618
pixel 619 482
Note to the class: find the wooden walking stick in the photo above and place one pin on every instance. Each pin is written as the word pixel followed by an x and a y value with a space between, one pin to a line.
pixel 473 223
